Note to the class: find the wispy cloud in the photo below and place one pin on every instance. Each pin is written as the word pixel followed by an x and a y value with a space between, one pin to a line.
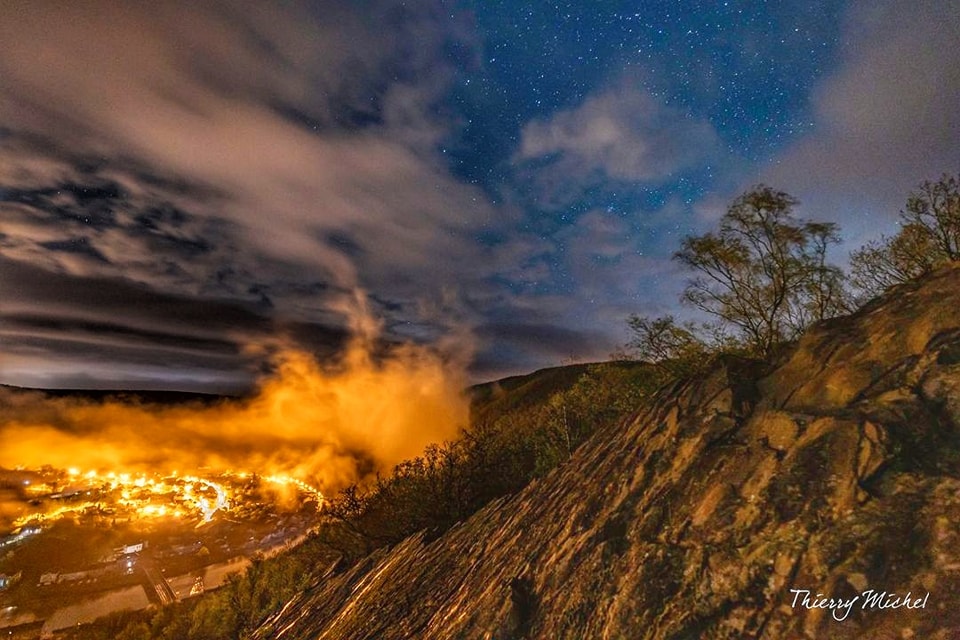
pixel 619 134
pixel 275 157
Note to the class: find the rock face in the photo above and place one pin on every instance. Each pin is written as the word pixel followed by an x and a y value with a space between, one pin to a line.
pixel 838 472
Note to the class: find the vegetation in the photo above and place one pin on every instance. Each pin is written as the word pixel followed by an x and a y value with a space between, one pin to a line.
pixel 678 350
pixel 764 279
pixel 929 236
pixel 229 613
pixel 498 455
pixel 520 430
pixel 764 274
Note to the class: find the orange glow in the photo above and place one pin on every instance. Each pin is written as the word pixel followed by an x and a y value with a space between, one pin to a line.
pixel 309 427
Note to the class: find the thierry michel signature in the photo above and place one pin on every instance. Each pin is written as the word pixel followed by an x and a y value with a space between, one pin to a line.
pixel 870 599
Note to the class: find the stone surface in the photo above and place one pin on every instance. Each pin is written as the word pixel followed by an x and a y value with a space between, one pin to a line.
pixel 838 472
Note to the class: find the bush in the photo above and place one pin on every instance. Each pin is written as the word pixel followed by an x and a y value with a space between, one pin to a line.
pixel 497 456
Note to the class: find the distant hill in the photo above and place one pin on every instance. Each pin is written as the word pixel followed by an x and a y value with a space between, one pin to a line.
pixel 517 392
pixel 99 395
pixel 495 397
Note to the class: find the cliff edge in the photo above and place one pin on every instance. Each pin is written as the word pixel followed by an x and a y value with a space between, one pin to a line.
pixel 712 511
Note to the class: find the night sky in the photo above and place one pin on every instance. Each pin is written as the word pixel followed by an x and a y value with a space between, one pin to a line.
pixel 185 188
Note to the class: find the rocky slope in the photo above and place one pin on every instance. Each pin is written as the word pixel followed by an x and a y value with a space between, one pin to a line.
pixel 837 472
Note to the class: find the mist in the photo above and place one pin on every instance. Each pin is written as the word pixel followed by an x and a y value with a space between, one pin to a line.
pixel 329 424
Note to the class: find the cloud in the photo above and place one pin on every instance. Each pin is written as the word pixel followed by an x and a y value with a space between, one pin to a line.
pixel 75 331
pixel 304 123
pixel 622 134
pixel 284 184
pixel 274 158
pixel 885 120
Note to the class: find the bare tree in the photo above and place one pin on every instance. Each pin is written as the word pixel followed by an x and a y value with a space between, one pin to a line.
pixel 935 206
pixel 764 273
pixel 879 265
pixel 929 236
pixel 675 348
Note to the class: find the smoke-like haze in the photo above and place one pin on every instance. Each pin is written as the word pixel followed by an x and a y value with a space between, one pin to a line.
pixel 328 425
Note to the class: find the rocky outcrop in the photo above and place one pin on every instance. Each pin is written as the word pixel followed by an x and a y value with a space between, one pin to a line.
pixel 836 473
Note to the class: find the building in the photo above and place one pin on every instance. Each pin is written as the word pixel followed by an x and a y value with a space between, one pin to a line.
pixel 7 581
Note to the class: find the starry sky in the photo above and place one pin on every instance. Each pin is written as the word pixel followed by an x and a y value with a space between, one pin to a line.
pixel 186 188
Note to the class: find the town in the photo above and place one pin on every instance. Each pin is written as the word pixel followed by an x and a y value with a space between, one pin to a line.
pixel 77 545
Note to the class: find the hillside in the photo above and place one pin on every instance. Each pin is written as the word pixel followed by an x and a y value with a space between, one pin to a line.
pixel 491 400
pixel 148 396
pixel 836 472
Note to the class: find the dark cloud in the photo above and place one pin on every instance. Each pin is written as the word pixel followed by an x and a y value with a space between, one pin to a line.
pixel 25 286
pixel 63 330
pixel 105 332
pixel 273 158
pixel 548 338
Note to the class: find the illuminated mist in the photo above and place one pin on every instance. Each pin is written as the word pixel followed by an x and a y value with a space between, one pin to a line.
pixel 326 425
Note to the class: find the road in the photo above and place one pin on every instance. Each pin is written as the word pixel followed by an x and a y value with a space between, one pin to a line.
pixel 156 585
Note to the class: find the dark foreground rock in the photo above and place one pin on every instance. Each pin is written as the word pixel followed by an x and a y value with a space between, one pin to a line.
pixel 838 473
